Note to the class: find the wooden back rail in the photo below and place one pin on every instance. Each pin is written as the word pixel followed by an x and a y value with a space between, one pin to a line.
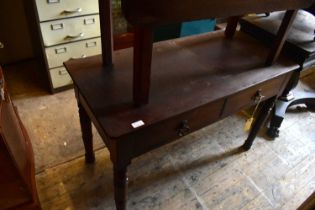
pixel 157 12
pixel 144 16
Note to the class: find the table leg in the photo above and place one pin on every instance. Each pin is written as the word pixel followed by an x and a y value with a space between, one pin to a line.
pixel 121 187
pixel 282 104
pixel 276 118
pixel 86 129
pixel 262 116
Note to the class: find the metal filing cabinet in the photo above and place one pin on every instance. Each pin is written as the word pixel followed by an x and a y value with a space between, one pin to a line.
pixel 69 29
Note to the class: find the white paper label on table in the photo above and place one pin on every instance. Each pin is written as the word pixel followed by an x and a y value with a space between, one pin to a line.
pixel 137 124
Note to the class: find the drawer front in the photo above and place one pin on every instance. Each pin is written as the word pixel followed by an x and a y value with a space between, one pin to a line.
pixel 59 54
pixel 69 30
pixel 174 128
pixel 57 9
pixel 60 77
pixel 247 97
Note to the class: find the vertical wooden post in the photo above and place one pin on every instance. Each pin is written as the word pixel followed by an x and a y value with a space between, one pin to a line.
pixel 281 36
pixel 120 187
pixel 231 26
pixel 87 136
pixel 105 10
pixel 143 43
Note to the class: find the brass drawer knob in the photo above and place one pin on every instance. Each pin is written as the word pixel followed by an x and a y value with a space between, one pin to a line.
pixel 258 96
pixel 183 129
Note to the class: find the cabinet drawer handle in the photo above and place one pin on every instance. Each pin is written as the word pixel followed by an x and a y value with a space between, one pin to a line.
pixel 258 96
pixel 82 56
pixel 80 35
pixel 63 72
pixel 78 10
pixel 183 128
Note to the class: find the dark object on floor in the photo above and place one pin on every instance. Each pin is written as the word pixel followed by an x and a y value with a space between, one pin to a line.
pixel 195 81
pixel 17 176
pixel 299 46
pixel 309 204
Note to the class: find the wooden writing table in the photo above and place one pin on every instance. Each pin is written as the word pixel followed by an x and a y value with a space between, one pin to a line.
pixel 190 88
pixel 192 82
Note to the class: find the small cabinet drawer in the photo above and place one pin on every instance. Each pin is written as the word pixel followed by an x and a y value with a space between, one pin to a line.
pixel 60 77
pixel 248 97
pixel 176 127
pixel 57 9
pixel 69 30
pixel 61 53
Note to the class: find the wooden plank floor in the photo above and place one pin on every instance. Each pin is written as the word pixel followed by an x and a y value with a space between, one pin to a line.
pixel 204 170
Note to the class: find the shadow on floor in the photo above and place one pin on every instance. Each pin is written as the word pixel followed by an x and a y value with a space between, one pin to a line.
pixel 26 79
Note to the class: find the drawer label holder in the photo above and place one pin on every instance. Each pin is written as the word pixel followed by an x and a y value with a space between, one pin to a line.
pixel 53 1
pixel 89 21
pixel 63 72
pixel 60 50
pixel 57 26
pixel 90 44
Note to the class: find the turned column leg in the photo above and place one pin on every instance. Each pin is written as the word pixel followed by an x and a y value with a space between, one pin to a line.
pixel 275 123
pixel 282 104
pixel 120 187
pixel 86 129
pixel 262 116
pixel 277 117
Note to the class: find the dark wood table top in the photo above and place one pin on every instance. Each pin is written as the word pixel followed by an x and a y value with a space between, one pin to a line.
pixel 186 74
pixel 153 12
pixel 300 41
